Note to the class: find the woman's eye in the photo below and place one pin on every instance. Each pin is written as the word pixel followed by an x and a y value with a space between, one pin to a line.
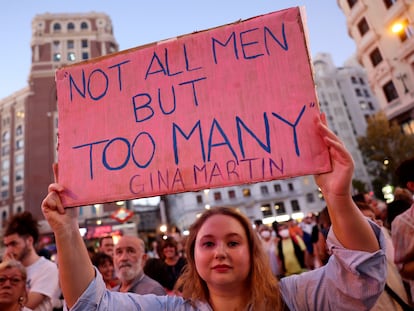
pixel 208 244
pixel 233 243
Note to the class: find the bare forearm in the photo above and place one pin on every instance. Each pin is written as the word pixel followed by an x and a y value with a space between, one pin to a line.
pixel 350 226
pixel 75 269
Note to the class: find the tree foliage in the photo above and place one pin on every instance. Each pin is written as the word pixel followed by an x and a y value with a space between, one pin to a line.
pixel 383 148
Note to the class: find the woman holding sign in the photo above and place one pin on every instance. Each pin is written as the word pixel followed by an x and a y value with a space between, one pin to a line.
pixel 227 267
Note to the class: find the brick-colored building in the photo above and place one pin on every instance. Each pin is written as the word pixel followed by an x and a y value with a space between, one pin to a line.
pixel 28 122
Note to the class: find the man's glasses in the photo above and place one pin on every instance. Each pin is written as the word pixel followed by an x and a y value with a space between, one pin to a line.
pixel 14 280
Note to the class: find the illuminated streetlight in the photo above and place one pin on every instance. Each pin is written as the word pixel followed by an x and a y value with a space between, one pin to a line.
pixel 398 27
pixel 163 228
pixel 386 162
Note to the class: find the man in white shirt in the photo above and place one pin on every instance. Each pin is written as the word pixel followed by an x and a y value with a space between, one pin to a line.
pixel 20 237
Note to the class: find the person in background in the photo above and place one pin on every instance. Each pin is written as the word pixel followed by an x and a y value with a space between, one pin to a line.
pixel 403 199
pixel 13 293
pixel 129 259
pixel 20 237
pixel 394 297
pixel 105 265
pixel 402 229
pixel 291 250
pixel 106 245
pixel 310 238
pixel 269 243
pixel 174 263
pixel 324 224
pixel 153 251
pixel 227 268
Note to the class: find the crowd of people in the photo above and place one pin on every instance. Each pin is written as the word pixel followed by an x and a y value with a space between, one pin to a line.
pixel 356 254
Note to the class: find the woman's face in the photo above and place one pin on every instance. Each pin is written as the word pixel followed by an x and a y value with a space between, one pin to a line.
pixel 169 251
pixel 12 286
pixel 221 253
pixel 107 270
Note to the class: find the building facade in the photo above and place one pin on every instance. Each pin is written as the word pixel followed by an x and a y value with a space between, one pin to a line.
pixel 383 32
pixel 346 99
pixel 29 116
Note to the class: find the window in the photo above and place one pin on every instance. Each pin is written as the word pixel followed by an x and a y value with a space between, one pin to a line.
pixel 19 175
pixel 351 3
pixel 19 209
pixel 85 55
pixel 19 144
pixel 366 93
pixel 375 57
pixel 5 150
pixel 6 137
pixel 57 57
pixel 5 165
pixel 5 194
pixel 57 27
pixel 246 192
pixel 71 44
pixel 371 106
pixel 389 91
pixel 217 196
pixel 310 198
pixel 19 130
pixel 277 187
pixel 361 81
pixel 290 186
pixel 354 80
pixel 84 43
pixel 71 27
pixel 358 92
pixel 280 208
pixel 407 32
pixel 232 194
pixel 19 159
pixel 264 190
pixel 19 188
pixel 199 198
pixel 408 127
pixel 84 25
pixel 4 180
pixel 389 3
pixel 71 56
pixel 266 210
pixel 363 27
pixel 295 205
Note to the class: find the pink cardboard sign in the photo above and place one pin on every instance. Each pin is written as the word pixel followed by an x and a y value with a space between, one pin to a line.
pixel 226 106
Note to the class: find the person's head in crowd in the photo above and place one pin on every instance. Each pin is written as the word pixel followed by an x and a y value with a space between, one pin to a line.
pixel 13 292
pixel 403 194
pixel 368 212
pixel 223 239
pixel 169 249
pixel 106 245
pixel 105 266
pixel 405 174
pixel 156 270
pixel 20 237
pixel 129 258
pixel 91 251
pixel 265 232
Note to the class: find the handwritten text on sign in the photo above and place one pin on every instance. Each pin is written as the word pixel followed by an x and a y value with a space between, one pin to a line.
pixel 226 106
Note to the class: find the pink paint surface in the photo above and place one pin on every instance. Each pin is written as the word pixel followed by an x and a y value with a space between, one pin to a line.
pixel 227 106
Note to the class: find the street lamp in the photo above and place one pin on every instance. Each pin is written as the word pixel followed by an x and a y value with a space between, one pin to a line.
pixel 402 77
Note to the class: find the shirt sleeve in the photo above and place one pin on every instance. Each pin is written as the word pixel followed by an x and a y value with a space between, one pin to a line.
pixel 97 297
pixel 402 231
pixel 351 280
